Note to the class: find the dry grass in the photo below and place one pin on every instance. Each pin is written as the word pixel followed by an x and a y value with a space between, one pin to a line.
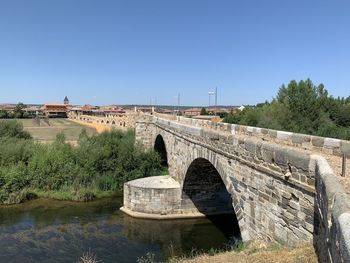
pixel 89 257
pixel 261 252
pixel 98 127
pixel 47 133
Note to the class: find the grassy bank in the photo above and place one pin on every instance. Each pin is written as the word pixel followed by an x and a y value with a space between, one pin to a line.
pixel 254 252
pixel 96 167
pixel 260 252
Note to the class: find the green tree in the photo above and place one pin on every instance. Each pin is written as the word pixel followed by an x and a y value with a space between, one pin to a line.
pixel 204 111
pixel 300 107
pixel 3 114
pixel 18 112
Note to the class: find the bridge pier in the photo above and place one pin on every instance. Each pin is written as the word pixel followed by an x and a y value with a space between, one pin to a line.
pixel 160 197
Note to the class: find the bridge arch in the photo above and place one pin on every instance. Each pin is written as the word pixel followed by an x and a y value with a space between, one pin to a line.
pixel 204 190
pixel 159 147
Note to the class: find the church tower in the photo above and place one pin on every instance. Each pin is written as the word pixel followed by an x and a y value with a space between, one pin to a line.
pixel 66 101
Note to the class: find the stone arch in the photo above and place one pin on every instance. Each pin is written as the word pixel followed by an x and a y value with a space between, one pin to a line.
pixel 113 122
pixel 205 190
pixel 159 147
pixel 102 121
pixel 107 122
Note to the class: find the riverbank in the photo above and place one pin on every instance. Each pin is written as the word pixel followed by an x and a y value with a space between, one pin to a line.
pixel 256 252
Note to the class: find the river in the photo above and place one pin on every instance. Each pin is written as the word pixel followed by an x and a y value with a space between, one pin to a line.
pixel 46 230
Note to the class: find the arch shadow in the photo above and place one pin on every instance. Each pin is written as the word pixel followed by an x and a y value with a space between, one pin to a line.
pixel 159 147
pixel 204 190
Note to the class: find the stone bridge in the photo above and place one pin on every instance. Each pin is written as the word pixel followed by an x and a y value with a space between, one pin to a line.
pixel 274 188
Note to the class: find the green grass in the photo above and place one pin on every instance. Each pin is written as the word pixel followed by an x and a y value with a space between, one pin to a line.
pixel 47 133
pixel 69 194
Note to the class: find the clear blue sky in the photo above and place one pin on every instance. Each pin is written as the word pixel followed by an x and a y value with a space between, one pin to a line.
pixel 104 52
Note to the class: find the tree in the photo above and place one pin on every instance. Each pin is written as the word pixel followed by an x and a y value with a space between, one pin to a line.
pixel 300 107
pixel 3 114
pixel 204 111
pixel 18 112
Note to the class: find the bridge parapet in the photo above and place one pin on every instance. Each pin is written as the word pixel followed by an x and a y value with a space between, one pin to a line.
pixel 309 142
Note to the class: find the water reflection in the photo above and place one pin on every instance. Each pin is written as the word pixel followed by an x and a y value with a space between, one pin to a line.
pixel 54 231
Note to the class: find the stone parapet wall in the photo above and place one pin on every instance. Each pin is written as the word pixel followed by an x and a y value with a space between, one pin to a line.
pixel 125 121
pixel 309 142
pixel 165 116
pixel 332 216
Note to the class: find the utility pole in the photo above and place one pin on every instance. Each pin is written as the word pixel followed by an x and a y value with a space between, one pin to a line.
pixel 178 103
pixel 216 98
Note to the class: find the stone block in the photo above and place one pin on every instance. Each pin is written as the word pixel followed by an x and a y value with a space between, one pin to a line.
pixel 284 136
pixel 267 152
pixel 317 141
pixel 298 159
pixel 300 138
pixel 345 147
pixel 281 156
pixel 273 133
pixel 257 130
pixel 331 143
pixel 250 146
pixel 264 131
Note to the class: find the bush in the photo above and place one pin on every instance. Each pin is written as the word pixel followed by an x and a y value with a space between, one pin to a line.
pixel 13 129
pixel 101 163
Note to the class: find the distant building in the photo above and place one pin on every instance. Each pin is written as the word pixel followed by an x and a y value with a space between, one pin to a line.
pixel 144 109
pixel 9 108
pixel 55 110
pixel 33 111
pixel 192 112
pixel 66 101
pixel 164 111
pixel 241 108
pixel 218 110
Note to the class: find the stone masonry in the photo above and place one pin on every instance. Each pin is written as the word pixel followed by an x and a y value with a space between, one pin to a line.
pixel 277 192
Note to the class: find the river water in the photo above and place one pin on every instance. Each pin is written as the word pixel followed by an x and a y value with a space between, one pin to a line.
pixel 57 231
